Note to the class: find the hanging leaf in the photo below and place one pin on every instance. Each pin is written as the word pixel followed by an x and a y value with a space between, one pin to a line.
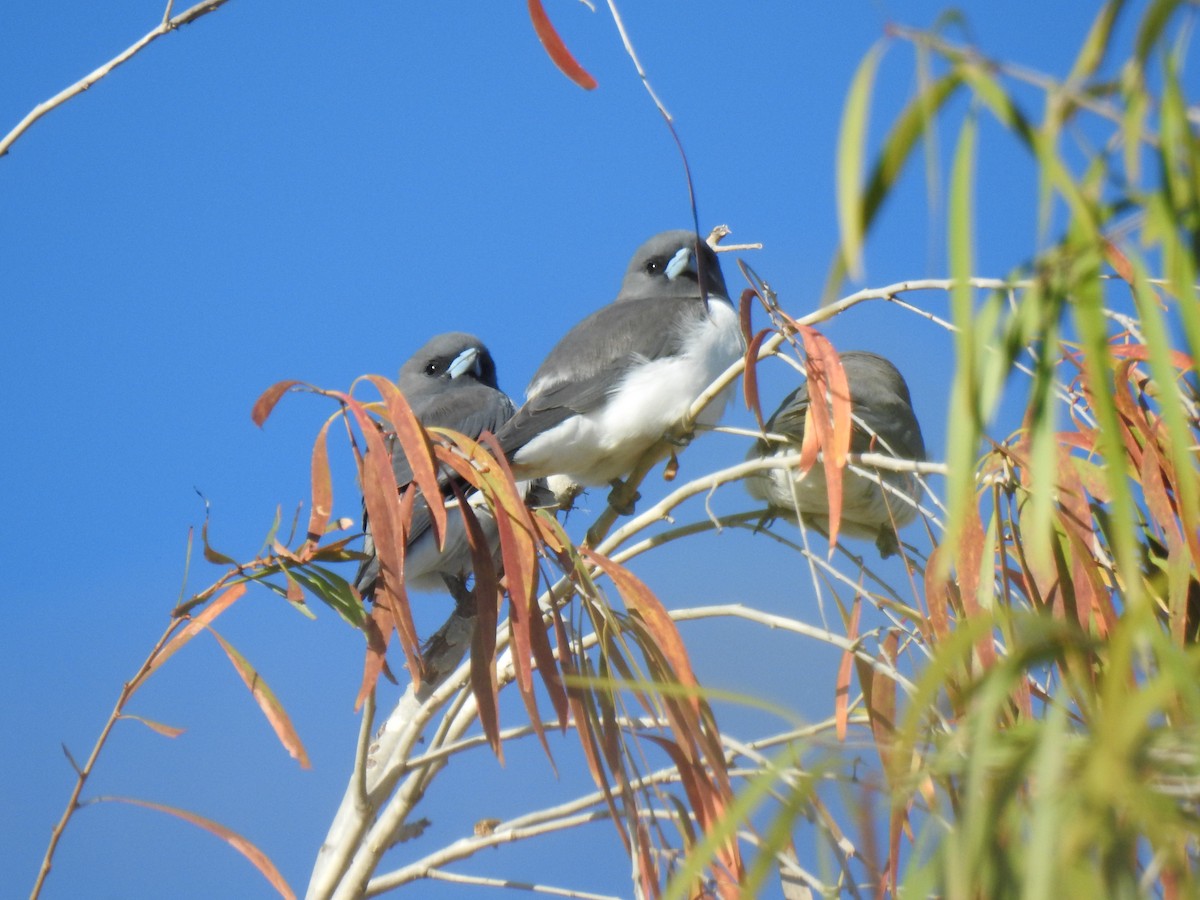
pixel 256 857
pixel 556 49
pixel 267 701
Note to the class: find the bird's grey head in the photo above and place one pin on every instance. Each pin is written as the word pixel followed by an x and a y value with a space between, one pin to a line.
pixel 451 358
pixel 673 264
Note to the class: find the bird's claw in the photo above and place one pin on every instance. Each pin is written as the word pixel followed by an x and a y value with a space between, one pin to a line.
pixel 620 499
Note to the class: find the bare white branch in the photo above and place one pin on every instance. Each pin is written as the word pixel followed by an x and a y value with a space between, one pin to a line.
pixel 167 25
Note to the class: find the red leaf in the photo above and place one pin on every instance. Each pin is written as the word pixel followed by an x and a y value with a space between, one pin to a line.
pixel 706 803
pixel 267 400
pixel 750 377
pixel 556 48
pixel 257 858
pixel 745 305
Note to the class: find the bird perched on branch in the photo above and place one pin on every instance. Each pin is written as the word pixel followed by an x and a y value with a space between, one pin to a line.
pixel 625 377
pixel 883 422
pixel 449 383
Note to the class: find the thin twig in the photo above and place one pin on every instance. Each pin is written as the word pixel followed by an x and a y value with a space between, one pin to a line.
pixel 82 773
pixel 167 25
pixel 459 878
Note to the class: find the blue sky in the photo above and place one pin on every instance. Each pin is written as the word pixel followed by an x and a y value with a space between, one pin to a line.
pixel 310 191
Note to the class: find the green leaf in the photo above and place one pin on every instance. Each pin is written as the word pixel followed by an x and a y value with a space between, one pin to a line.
pixel 852 148
pixel 912 123
pixel 1151 27
pixel 963 435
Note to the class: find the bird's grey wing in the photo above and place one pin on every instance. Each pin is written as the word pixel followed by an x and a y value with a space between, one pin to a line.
pixel 582 369
pixel 890 417
pixel 788 419
pixel 613 337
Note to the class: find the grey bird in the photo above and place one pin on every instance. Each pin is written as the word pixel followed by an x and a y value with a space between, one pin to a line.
pixel 449 383
pixel 883 422
pixel 626 376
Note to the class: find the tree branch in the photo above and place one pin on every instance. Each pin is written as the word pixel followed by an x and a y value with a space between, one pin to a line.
pixel 168 24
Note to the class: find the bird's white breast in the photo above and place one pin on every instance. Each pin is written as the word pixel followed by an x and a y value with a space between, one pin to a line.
pixel 644 405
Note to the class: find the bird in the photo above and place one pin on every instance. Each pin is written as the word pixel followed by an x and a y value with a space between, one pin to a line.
pixel 450 382
pixel 626 376
pixel 883 421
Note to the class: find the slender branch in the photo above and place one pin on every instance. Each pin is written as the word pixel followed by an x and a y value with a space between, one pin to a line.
pixel 457 878
pixel 738 611
pixel 168 24
pixel 82 773
pixel 466 847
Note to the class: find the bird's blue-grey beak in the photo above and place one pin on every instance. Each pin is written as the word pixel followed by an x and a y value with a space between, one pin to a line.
pixel 467 361
pixel 682 261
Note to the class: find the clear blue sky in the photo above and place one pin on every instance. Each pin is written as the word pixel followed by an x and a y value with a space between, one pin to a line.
pixel 310 191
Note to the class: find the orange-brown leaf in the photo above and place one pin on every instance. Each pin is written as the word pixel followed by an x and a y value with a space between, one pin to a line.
pixel 378 630
pixel 266 402
pixel 483 639
pixel 256 857
pixel 882 706
pixel 1119 261
pixel 832 426
pixel 417 449
pixel 211 555
pixel 556 49
pixel 841 701
pixel 322 486
pixel 1141 353
pixel 640 599
pixel 165 730
pixel 390 531
pixel 195 625
pixel 267 701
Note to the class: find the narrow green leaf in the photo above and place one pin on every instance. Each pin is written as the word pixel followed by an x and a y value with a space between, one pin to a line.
pixel 852 149
pixel 1095 45
pixel 1048 771
pixel 1151 27
pixel 1180 436
pixel 963 435
pixel 912 123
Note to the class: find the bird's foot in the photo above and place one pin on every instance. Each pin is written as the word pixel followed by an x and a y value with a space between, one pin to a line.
pixel 887 543
pixel 621 499
pixel 464 598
